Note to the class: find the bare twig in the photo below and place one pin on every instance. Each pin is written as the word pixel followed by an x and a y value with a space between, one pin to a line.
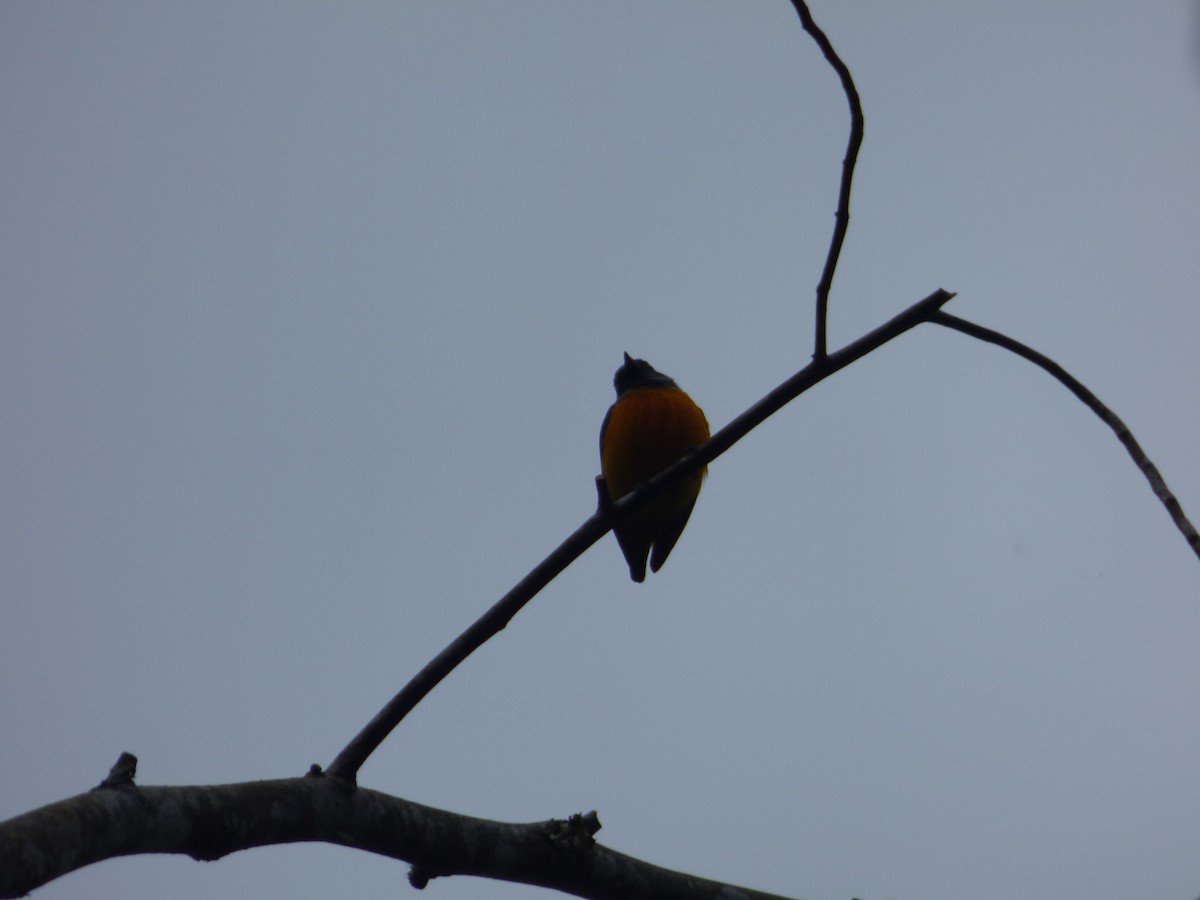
pixel 347 763
pixel 842 217
pixel 1124 435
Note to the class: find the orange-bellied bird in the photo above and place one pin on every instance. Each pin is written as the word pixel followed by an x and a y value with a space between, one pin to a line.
pixel 652 424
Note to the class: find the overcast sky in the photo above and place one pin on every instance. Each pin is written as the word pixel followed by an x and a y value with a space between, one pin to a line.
pixel 308 319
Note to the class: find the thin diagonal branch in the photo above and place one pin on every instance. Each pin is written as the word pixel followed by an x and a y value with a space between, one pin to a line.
pixel 842 217
pixel 1157 483
pixel 347 763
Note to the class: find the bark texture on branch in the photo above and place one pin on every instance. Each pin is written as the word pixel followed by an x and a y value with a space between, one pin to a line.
pixel 207 823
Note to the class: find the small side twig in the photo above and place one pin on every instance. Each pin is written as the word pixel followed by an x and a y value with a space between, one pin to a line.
pixel 842 217
pixel 1157 483
pixel 122 773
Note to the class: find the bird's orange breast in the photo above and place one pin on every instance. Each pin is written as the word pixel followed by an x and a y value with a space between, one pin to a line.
pixel 647 430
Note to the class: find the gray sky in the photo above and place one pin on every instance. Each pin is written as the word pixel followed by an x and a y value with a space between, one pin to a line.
pixel 309 318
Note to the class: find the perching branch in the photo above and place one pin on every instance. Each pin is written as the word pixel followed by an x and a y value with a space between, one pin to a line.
pixel 842 217
pixel 347 763
pixel 207 823
pixel 1124 435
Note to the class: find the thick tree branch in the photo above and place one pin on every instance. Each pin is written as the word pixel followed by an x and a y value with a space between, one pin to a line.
pixel 1157 483
pixel 208 823
pixel 842 216
pixel 351 758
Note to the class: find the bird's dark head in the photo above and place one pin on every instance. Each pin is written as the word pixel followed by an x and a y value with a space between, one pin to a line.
pixel 637 373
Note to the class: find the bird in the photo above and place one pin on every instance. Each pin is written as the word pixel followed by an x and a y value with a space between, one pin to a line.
pixel 652 424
